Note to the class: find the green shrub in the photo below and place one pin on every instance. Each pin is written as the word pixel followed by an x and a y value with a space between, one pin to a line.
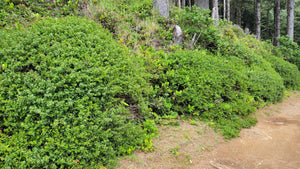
pixel 223 89
pixel 17 13
pixel 196 21
pixel 286 70
pixel 289 50
pixel 64 89
pixel 198 84
pixel 267 86
pixel 142 8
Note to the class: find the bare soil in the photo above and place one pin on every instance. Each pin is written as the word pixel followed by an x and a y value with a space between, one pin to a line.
pixel 274 143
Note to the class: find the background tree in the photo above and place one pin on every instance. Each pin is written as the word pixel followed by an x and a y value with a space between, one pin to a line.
pixel 297 22
pixel 290 18
pixel 224 9
pixel 215 11
pixel 258 19
pixel 162 6
pixel 276 22
pixel 228 10
pixel 202 3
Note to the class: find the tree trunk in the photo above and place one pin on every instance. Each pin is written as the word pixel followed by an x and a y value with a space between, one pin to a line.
pixel 162 6
pixel 215 12
pixel 228 10
pixel 276 23
pixel 179 3
pixel 239 13
pixel 202 3
pixel 258 19
pixel 183 4
pixel 268 25
pixel 290 18
pixel 224 12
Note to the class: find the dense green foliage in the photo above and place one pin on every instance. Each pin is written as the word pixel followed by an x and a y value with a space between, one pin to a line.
pixel 197 21
pixel 197 84
pixel 63 96
pixel 74 93
pixel 16 13
pixel 289 50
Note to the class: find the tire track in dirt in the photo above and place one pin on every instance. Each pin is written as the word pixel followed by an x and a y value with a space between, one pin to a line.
pixel 273 143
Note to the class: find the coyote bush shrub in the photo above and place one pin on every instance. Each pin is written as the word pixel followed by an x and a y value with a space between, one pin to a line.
pixel 17 13
pixel 196 21
pixel 198 84
pixel 223 89
pixel 289 72
pixel 260 55
pixel 64 87
pixel 290 50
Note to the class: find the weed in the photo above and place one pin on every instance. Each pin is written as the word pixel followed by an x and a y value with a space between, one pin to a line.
pixel 175 150
pixel 194 122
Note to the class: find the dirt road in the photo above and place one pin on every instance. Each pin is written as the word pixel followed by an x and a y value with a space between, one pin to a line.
pixel 274 143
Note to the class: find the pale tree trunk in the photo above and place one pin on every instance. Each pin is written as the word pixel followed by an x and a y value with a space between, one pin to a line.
pixel 290 18
pixel 224 12
pixel 202 3
pixel 276 22
pixel 258 19
pixel 162 6
pixel 179 3
pixel 215 12
pixel 228 10
pixel 183 4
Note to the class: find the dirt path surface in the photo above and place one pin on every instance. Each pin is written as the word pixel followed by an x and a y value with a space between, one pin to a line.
pixel 274 143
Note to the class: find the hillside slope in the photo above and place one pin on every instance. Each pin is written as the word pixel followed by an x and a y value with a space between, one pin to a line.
pixel 80 91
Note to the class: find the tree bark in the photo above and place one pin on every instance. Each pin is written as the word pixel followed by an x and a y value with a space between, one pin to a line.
pixel 162 6
pixel 228 10
pixel 258 19
pixel 239 13
pixel 183 4
pixel 276 23
pixel 202 3
pixel 268 25
pixel 290 18
pixel 224 12
pixel 215 12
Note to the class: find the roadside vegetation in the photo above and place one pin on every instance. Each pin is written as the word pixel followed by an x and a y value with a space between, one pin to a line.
pixel 83 82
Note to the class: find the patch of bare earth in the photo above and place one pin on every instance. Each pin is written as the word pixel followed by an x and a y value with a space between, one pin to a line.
pixel 273 143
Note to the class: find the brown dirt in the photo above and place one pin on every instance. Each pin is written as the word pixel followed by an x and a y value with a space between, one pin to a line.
pixel 273 143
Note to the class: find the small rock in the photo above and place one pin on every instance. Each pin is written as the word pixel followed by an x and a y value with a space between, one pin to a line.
pixel 177 35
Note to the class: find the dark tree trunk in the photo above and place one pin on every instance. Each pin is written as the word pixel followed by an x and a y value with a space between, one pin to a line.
pixel 268 24
pixel 239 13
pixel 276 23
